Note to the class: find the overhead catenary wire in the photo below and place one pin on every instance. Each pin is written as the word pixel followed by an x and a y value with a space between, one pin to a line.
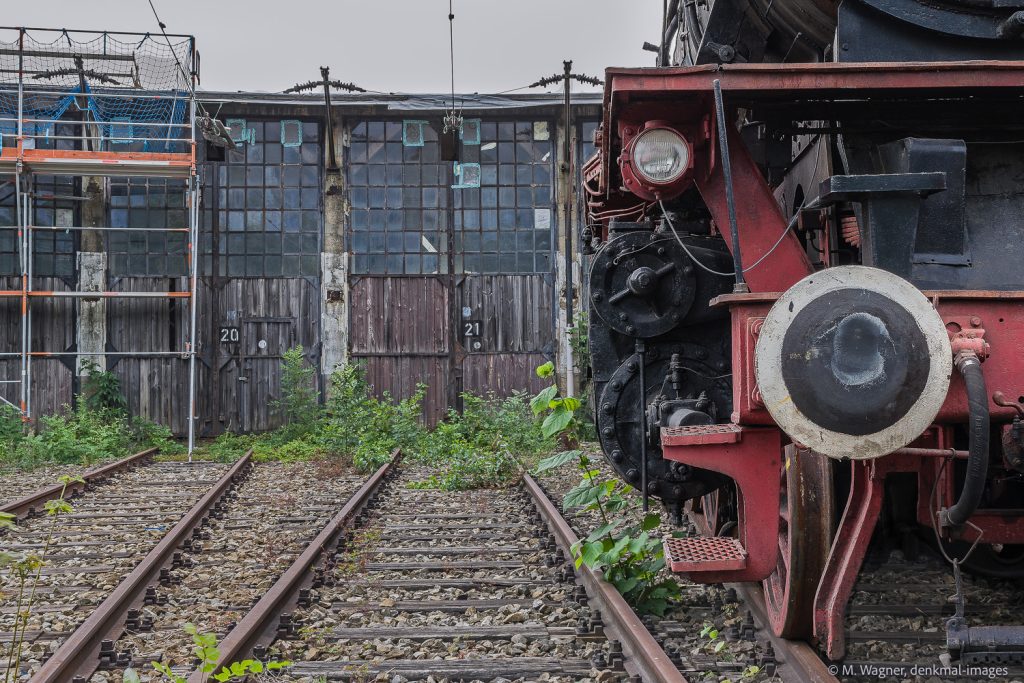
pixel 186 78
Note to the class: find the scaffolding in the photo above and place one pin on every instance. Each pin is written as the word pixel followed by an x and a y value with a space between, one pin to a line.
pixel 129 100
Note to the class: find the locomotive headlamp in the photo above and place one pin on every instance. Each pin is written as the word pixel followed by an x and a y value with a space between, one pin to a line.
pixel 656 160
pixel 660 155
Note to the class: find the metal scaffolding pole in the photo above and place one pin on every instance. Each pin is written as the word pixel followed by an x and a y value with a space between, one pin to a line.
pixel 33 157
pixel 193 250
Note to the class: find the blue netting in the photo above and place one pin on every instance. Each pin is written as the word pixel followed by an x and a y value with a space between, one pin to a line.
pixel 131 86
pixel 137 120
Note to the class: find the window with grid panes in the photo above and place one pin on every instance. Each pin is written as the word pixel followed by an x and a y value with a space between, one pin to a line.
pixel 506 225
pixel 54 252
pixel 269 206
pixel 153 204
pixel 398 195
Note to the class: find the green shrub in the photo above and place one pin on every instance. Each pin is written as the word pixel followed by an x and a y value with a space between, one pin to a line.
pixel 12 431
pixel 99 427
pixel 101 389
pixel 483 446
pixel 300 401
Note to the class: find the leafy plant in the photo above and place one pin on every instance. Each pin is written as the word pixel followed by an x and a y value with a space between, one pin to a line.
pixel 27 568
pixel 98 427
pixel 483 446
pixel 101 389
pixel 622 546
pixel 12 430
pixel 204 648
pixel 300 401
pixel 710 634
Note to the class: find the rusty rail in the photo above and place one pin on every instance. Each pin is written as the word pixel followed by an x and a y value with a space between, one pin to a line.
pixel 802 662
pixel 643 653
pixel 259 625
pixel 78 656
pixel 26 505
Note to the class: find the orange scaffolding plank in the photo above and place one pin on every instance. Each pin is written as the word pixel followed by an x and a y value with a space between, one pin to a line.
pixel 82 162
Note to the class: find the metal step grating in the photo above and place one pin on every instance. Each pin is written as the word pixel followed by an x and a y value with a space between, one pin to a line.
pixel 704 554
pixel 693 435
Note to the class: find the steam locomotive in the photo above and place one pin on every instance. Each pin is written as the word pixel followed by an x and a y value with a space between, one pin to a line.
pixel 806 231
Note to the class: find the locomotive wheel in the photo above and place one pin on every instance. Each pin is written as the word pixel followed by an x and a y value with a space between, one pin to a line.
pixel 805 535
pixel 709 513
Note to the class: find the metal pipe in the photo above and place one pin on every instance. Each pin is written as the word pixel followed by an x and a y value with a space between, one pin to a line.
pixel 641 352
pixel 63 228
pixel 969 365
pixel 119 354
pixel 29 212
pixel 723 146
pixel 69 122
pixel 193 276
pixel 932 452
pixel 62 31
pixel 567 186
pixel 41 294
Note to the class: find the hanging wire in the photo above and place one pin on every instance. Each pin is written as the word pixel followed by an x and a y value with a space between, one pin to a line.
pixel 174 53
pixel 452 119
pixel 791 225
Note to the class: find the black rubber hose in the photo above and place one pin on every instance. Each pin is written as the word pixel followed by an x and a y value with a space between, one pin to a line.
pixel 977 458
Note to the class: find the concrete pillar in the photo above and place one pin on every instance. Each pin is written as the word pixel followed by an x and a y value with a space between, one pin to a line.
pixel 92 274
pixel 334 266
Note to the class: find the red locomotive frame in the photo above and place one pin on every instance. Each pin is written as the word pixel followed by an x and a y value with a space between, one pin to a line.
pixel 750 449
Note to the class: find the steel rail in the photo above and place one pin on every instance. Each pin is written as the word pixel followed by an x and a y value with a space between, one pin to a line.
pixel 26 505
pixel 259 625
pixel 644 656
pixel 78 656
pixel 802 662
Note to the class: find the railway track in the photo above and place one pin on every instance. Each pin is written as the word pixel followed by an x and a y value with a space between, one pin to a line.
pixel 738 614
pixel 419 583
pixel 355 578
pixel 122 513
pixel 898 611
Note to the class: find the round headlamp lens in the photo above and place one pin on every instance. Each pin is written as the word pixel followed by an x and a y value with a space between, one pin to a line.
pixel 660 155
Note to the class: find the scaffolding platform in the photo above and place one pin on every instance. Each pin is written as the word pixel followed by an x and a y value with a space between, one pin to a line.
pixel 107 104
pixel 85 163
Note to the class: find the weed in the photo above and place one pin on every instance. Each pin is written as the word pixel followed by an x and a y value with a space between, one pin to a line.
pixel 481 446
pixel 98 427
pixel 101 389
pixel 27 568
pixel 204 648
pixel 12 431
pixel 621 546
pixel 300 401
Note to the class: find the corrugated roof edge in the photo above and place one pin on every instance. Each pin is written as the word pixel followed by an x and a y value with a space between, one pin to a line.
pixel 401 101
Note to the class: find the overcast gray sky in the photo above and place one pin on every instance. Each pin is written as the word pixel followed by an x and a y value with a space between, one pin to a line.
pixel 391 46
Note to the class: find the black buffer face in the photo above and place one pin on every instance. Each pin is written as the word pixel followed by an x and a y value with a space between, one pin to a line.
pixel 853 362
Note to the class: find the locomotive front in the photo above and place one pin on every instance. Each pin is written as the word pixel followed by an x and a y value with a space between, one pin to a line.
pixel 805 278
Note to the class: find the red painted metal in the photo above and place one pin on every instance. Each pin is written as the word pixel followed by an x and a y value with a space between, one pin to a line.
pixel 704 554
pixel 863 506
pixel 989 323
pixel 758 216
pixel 753 462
